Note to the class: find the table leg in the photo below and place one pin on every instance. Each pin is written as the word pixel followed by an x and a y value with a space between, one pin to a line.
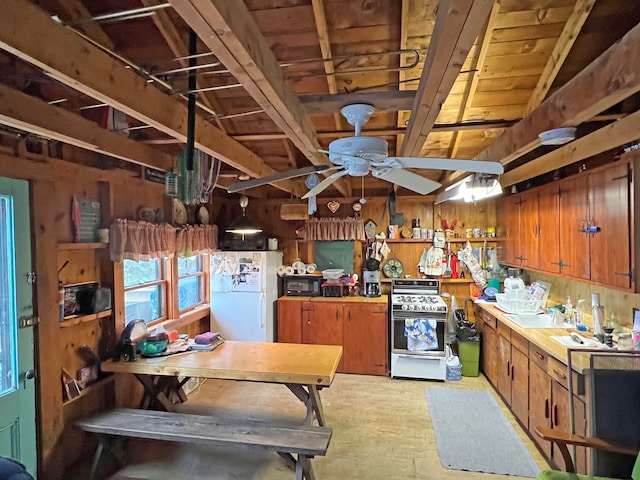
pixel 310 396
pixel 154 392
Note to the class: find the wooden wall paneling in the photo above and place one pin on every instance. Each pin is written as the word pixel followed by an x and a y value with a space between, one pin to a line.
pixel 49 364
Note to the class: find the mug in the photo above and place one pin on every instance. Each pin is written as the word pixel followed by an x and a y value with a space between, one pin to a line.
pixel 103 235
pixel 273 244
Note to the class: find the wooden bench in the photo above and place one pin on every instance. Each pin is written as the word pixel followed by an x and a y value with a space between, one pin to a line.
pixel 115 426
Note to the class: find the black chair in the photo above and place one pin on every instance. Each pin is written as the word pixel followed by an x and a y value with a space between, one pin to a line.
pixel 11 469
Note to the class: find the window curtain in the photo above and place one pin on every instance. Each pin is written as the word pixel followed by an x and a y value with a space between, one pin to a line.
pixel 142 241
pixel 334 229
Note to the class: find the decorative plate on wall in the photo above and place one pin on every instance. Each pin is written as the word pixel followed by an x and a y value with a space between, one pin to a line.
pixel 179 212
pixel 393 268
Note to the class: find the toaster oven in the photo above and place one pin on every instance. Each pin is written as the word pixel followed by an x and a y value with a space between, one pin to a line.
pixel 302 285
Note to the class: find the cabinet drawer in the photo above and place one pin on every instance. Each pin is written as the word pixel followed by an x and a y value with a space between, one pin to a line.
pixel 504 330
pixel 519 342
pixel 538 356
pixel 558 371
pixel 485 318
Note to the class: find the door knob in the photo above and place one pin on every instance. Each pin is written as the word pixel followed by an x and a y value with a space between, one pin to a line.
pixel 30 374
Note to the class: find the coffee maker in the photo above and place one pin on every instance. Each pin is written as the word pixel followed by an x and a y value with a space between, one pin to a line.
pixel 371 283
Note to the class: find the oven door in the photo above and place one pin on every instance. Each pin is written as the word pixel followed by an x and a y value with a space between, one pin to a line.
pixel 399 342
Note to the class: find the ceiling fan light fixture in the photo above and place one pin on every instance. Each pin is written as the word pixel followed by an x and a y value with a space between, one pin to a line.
pixel 558 136
pixel 243 225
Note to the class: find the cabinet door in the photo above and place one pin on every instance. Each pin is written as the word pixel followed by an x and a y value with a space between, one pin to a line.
pixel 504 368
pixel 561 421
pixel 509 221
pixel 574 214
pixel 609 210
pixel 520 386
pixel 322 324
pixel 539 405
pixel 549 228
pixel 490 354
pixel 366 339
pixel 290 320
pixel 529 254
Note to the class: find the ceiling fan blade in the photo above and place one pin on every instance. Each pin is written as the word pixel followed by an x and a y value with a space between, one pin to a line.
pixel 257 182
pixel 324 184
pixel 480 166
pixel 407 180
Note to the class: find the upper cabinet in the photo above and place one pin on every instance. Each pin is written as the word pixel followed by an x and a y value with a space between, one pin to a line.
pixel 579 227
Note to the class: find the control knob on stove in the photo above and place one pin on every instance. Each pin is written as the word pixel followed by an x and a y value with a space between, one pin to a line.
pixel 404 307
pixel 412 307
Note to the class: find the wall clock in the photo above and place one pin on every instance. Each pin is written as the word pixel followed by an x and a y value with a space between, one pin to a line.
pixel 393 268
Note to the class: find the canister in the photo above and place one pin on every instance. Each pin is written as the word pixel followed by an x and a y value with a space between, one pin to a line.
pixel 625 341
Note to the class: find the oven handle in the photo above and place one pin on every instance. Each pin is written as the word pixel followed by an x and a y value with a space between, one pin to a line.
pixel 421 357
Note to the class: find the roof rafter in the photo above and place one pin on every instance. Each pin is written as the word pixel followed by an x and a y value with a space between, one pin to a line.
pixel 458 23
pixel 228 30
pixel 73 61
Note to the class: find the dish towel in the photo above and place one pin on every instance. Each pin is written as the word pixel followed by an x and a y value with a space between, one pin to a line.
pixel 421 334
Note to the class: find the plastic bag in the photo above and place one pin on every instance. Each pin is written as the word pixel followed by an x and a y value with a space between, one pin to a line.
pixel 465 330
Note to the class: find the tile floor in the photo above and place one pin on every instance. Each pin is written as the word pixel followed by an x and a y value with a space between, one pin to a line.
pixel 381 430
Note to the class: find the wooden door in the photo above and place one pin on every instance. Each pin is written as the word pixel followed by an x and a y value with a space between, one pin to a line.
pixel 504 368
pixel 323 324
pixel 489 353
pixel 520 385
pixel 574 214
pixel 290 320
pixel 610 212
pixel 529 253
pixel 509 219
pixel 561 421
pixel 549 228
pixel 366 338
pixel 539 405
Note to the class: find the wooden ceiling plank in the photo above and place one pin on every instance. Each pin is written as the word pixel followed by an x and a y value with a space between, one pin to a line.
pixel 180 49
pixel 291 153
pixel 609 79
pixel 73 10
pixel 560 52
pixel 24 112
pixel 389 101
pixel 325 47
pixel 229 31
pixel 609 137
pixel 475 76
pixel 458 23
pixel 71 60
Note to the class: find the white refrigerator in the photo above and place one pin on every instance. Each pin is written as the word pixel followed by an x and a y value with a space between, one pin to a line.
pixel 244 289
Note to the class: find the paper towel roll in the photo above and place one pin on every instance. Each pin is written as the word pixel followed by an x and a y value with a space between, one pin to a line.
pixel 288 270
pixel 281 270
pixel 311 268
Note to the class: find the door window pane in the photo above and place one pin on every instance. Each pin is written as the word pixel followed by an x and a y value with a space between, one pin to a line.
pixel 8 340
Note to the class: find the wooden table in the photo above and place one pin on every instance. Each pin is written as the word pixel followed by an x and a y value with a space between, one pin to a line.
pixel 303 368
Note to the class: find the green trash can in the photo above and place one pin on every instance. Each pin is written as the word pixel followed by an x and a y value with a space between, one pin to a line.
pixel 469 354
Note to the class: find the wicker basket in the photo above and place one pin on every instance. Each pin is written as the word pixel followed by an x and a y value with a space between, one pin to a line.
pixel 513 305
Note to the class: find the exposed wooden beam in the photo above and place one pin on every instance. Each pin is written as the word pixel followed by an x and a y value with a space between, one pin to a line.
pixel 228 30
pixel 69 10
pixel 458 23
pixel 71 60
pixel 390 101
pixel 560 52
pixel 33 115
pixel 180 49
pixel 474 76
pixel 325 47
pixel 609 79
pixel 291 153
pixel 611 136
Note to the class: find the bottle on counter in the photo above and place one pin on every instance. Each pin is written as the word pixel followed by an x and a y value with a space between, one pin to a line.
pixel 580 312
pixel 568 310
pixel 598 317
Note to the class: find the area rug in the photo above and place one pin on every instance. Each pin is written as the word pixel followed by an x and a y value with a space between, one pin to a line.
pixel 473 434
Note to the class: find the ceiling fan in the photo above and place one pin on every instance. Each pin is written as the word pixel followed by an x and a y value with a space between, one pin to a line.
pixel 359 155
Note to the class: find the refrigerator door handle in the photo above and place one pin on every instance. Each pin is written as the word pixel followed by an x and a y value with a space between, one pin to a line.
pixel 263 305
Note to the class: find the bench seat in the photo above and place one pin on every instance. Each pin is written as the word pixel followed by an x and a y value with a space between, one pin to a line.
pixel 304 440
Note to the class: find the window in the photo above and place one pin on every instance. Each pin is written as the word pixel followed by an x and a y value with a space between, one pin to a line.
pixel 8 339
pixel 145 290
pixel 191 282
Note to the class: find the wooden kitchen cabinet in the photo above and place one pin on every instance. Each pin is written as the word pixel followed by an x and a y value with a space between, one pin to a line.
pixel 529 255
pixel 548 228
pixel 487 324
pixel 366 344
pixel 508 227
pixel 513 371
pixel 360 327
pixel 574 215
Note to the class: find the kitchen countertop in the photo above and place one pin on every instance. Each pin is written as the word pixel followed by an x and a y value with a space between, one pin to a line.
pixel 381 299
pixel 542 338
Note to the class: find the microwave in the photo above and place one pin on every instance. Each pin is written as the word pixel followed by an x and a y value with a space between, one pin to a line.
pixel 302 285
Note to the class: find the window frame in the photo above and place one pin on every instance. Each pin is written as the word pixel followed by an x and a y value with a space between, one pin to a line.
pixel 203 274
pixel 164 268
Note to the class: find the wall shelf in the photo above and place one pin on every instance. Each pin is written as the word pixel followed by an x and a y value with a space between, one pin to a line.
pixel 97 385
pixel 442 280
pixel 82 246
pixel 453 240
pixel 72 320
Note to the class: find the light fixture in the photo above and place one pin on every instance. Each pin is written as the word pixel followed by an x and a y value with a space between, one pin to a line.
pixel 243 225
pixel 472 188
pixel 557 136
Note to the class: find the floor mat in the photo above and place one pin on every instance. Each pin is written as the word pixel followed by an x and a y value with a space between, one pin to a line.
pixel 473 434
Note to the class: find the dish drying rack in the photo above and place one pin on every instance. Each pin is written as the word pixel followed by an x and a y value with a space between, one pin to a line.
pixel 511 304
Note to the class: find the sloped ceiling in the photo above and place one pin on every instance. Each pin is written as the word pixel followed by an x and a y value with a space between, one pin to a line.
pixel 455 78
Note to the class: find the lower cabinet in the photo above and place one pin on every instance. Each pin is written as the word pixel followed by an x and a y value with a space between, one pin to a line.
pixel 488 347
pixel 513 372
pixel 361 328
